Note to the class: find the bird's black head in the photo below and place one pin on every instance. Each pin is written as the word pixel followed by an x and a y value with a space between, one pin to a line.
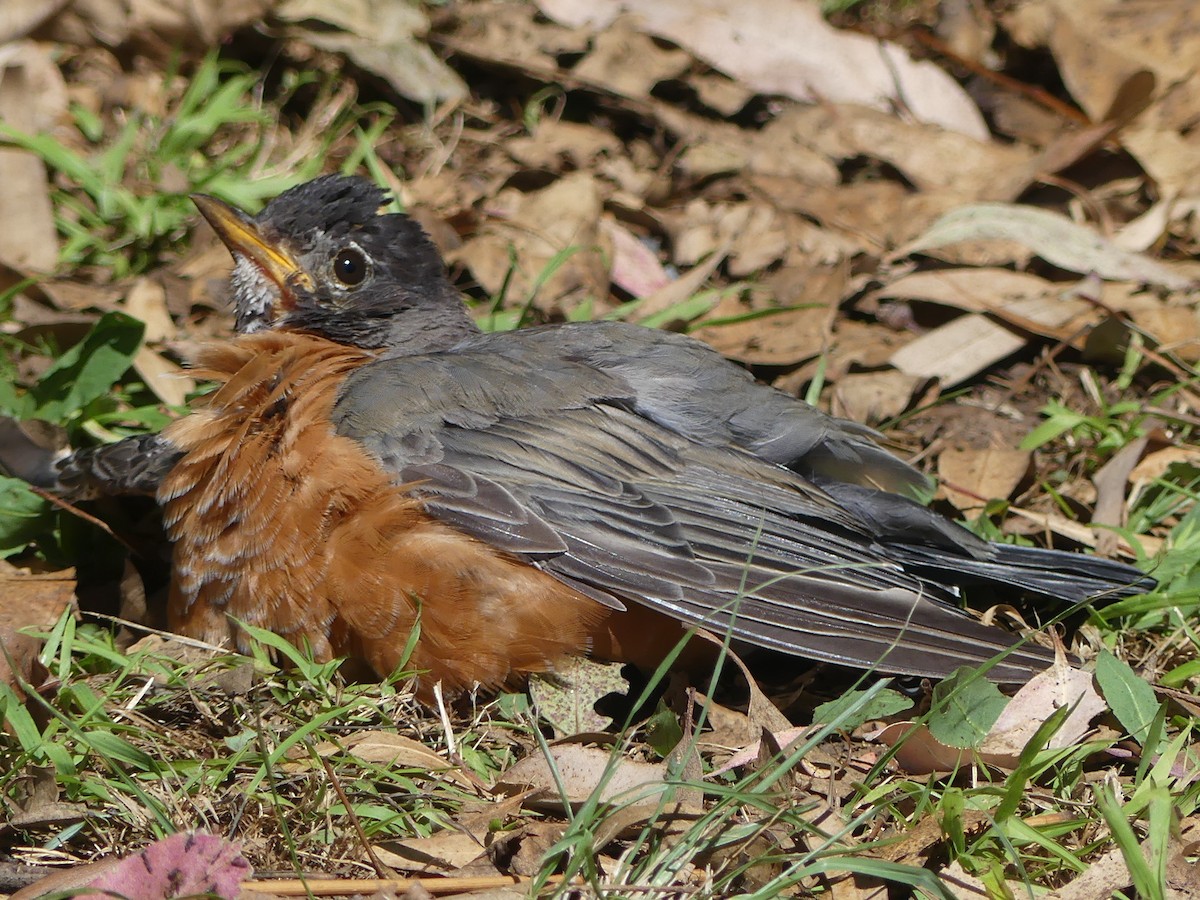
pixel 323 258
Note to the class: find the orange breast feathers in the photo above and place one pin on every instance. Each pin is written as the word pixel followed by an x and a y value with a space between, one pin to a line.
pixel 279 522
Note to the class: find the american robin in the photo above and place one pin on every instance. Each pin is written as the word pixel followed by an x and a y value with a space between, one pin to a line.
pixel 373 468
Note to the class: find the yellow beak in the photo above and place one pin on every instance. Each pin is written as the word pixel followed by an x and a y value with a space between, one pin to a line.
pixel 242 236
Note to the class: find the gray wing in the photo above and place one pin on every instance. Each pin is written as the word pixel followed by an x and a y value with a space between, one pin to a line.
pixel 686 386
pixel 133 465
pixel 556 464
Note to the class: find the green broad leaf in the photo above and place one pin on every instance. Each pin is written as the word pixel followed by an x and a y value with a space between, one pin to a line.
pixel 966 706
pixel 663 731
pixel 13 404
pixel 22 513
pixel 89 369
pixel 1131 699
pixel 885 703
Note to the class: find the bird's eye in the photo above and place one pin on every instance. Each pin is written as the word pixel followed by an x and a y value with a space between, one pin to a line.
pixel 350 266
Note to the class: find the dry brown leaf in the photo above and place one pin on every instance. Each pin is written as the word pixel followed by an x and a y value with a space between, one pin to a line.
pixel 871 397
pixel 957 350
pixel 712 148
pixel 1110 481
pixel 973 289
pixel 1082 534
pixel 961 884
pixel 919 753
pixel 32 97
pixel 160 25
pixel 1100 45
pixel 437 854
pixel 869 345
pixel 1057 687
pixel 784 337
pixel 636 269
pixel 556 143
pixel 540 226
pixel 1176 329
pixel 383 38
pixel 1018 298
pixel 750 754
pixel 930 157
pixel 1110 873
pixel 1154 465
pixel 1055 238
pixel 786 48
pixel 18 18
pixel 971 477
pixel 385 748
pixel 583 770
pixel 147 301
pixel 628 62
pixel 867 216
pixel 30 601
pixel 675 292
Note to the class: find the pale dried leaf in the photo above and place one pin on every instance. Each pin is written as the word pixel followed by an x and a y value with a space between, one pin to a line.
pixel 782 337
pixel 164 25
pixel 1110 481
pixel 32 98
pixel 169 382
pixel 961 884
pixel 1082 534
pixel 628 62
pixel 676 292
pixel 30 601
pixel 957 350
pixel 749 754
pixel 147 302
pixel 871 397
pixel 557 143
pixel 1154 465
pixel 1176 329
pixel 385 748
pixel 437 854
pixel 1057 687
pixel 1055 238
pixel 583 770
pixel 973 289
pixel 713 147
pixel 18 18
pixel 971 477
pixel 538 229
pixel 932 158
pixel 786 48
pixel 383 38
pixel 1018 298
pixel 636 269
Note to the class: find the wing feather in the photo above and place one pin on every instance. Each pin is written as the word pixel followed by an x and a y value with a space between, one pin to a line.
pixel 617 504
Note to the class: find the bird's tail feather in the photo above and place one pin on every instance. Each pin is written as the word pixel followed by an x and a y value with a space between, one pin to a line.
pixel 1069 577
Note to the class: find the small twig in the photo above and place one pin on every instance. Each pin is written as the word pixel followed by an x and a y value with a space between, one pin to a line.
pixel 335 887
pixel 1036 94
pixel 380 869
pixel 87 517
